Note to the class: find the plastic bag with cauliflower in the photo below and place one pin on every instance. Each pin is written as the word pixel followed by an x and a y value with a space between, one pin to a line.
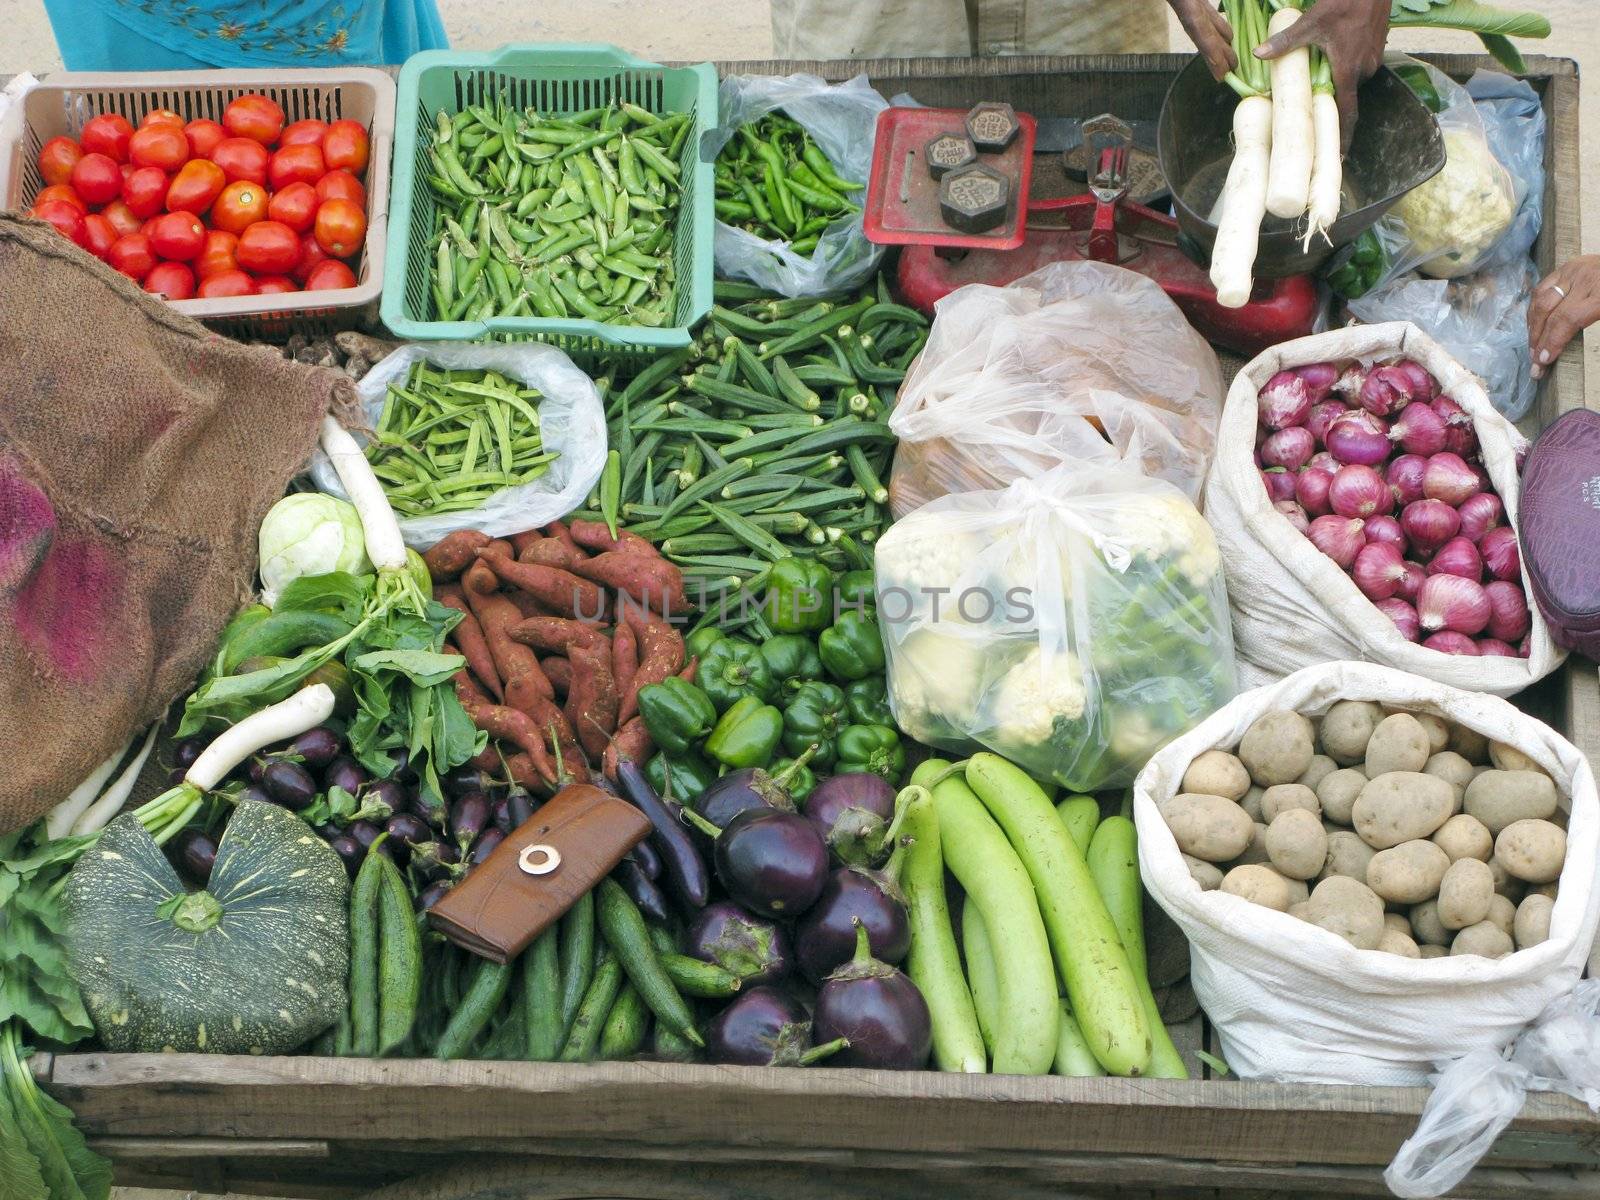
pixel 1074 622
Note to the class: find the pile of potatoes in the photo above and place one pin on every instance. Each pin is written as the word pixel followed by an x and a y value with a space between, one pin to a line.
pixel 1397 831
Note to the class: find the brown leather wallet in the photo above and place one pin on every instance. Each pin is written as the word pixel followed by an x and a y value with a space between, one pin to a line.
pixel 539 871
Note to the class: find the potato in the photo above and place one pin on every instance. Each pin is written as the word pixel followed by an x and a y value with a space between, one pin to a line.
pixel 1455 770
pixel 1256 851
pixel 1408 873
pixel 1465 893
pixel 1281 797
pixel 1438 730
pixel 1338 791
pixel 1485 938
pixel 1399 806
pixel 1277 748
pixel 1301 911
pixel 1497 798
pixel 1509 758
pixel 1393 941
pixel 1427 951
pixel 1502 914
pixel 1532 923
pixel 1299 892
pixel 1321 767
pixel 1469 743
pixel 1425 924
pixel 1463 836
pixel 1399 743
pixel 1349 909
pixel 1251 802
pixel 1398 922
pixel 1505 883
pixel 1217 773
pixel 1547 890
pixel 1347 855
pixel 1210 827
pixel 1259 885
pixel 1296 843
pixel 1208 876
pixel 1532 851
pixel 1347 728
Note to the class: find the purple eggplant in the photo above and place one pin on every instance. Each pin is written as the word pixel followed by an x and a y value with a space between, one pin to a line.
pixel 344 772
pixel 387 793
pixel 877 1010
pixel 253 791
pixel 196 853
pixel 500 814
pixel 684 868
pixel 647 858
pixel 854 814
pixel 763 1027
pixel 772 862
pixel 751 947
pixel 289 784
pixel 641 889
pixel 469 815
pixel 364 832
pixel 436 860
pixel 464 779
pixel 432 894
pixel 486 845
pixel 401 771
pixel 186 751
pixel 749 788
pixel 825 937
pixel 349 850
pixel 520 803
pixel 316 747
pixel 409 831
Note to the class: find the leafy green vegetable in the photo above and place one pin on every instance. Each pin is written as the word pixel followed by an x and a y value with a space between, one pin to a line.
pixel 1494 25
pixel 42 1155
pixel 35 985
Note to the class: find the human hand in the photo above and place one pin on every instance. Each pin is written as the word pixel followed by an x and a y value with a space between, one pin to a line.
pixel 1563 306
pixel 1209 30
pixel 1352 34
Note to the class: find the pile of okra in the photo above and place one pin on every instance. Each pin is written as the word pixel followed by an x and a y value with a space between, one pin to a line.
pixel 775 182
pixel 765 438
pixel 540 215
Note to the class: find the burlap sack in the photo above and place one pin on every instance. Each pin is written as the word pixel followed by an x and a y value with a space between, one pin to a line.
pixel 138 454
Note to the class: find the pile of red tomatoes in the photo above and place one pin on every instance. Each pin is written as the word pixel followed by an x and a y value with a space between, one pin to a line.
pixel 249 206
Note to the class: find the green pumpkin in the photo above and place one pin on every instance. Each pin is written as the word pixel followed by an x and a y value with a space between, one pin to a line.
pixel 256 964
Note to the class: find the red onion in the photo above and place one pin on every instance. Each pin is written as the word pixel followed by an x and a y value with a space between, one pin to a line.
pixel 1479 514
pixel 1350 381
pixel 1429 524
pixel 1460 436
pixel 1451 602
pixel 1358 491
pixel 1447 641
pixel 1500 553
pixel 1448 478
pixel 1460 557
pixel 1378 570
pixel 1411 582
pixel 1525 647
pixel 1323 461
pixel 1319 378
pixel 1323 415
pixel 1494 648
pixel 1422 386
pixel 1311 490
pixel 1405 478
pixel 1285 401
pixel 1403 616
pixel 1291 448
pixel 1481 473
pixel 1509 619
pixel 1279 484
pixel 1386 530
pixel 1358 437
pixel 1419 430
pixel 1386 390
pixel 1340 538
pixel 1295 515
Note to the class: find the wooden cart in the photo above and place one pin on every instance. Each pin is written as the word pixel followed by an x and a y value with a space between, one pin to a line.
pixel 340 1127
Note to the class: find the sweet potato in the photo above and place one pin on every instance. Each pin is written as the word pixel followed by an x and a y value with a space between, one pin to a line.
pixel 552 722
pixel 631 742
pixel 558 671
pixel 551 552
pixel 592 700
pixel 624 662
pixel 660 648
pixel 560 591
pixel 521 680
pixel 470 643
pixel 508 724
pixel 559 531
pixel 647 580
pixel 593 535
pixel 556 635
pixel 521 541
pixel 689 670
pixel 527 605
pixel 453 554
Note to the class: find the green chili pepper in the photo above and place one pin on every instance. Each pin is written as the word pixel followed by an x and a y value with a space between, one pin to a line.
pixel 747 734
pixel 867 701
pixel 799 596
pixel 852 647
pixel 792 658
pixel 677 713
pixel 871 748
pixel 732 669
pixel 814 715
pixel 680 777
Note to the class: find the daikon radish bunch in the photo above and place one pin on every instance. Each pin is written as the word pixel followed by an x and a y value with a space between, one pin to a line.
pixel 1244 196
pixel 1327 159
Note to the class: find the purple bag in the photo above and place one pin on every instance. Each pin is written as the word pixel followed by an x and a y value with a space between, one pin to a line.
pixel 1560 529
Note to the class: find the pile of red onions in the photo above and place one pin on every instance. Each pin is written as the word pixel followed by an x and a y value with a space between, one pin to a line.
pixel 1383 474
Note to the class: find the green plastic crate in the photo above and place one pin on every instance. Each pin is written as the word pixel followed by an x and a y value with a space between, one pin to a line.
pixel 554 79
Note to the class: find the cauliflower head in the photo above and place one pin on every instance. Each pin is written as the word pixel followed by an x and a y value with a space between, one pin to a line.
pixel 1455 218
pixel 1159 526
pixel 1033 694
pixel 935 680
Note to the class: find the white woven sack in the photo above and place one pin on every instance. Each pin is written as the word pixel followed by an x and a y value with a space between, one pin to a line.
pixel 1292 606
pixel 1293 1002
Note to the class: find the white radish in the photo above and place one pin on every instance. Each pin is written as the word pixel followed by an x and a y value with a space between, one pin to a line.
pixel 1327 166
pixel 306 709
pixel 1244 195
pixel 110 804
pixel 385 547
pixel 58 822
pixel 1289 177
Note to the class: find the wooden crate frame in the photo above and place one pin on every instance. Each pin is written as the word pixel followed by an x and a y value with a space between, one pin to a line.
pixel 337 1127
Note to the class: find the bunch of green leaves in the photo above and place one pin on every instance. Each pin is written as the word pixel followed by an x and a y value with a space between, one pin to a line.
pixel 42 1156
pixel 1495 26
pixel 36 987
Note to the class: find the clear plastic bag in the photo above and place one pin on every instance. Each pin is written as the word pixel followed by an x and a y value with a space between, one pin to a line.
pixel 572 422
pixel 1056 367
pixel 1074 623
pixel 842 119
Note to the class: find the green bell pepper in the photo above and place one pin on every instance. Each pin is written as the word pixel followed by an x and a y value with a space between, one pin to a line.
pixel 873 748
pixel 701 640
pixel 799 596
pixel 1362 267
pixel 733 668
pixel 680 777
pixel 867 702
pixel 800 780
pixel 791 658
pixel 856 589
pixel 677 714
pixel 814 714
pixel 851 647
pixel 747 734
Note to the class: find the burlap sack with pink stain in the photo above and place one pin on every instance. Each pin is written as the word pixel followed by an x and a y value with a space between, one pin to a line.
pixel 138 454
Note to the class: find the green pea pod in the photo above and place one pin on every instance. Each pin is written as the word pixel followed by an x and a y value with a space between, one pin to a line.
pixel 814 716
pixel 677 713
pixel 791 658
pixel 799 596
pixel 732 669
pixel 873 749
pixel 747 734
pixel 680 777
pixel 851 648
pixel 867 702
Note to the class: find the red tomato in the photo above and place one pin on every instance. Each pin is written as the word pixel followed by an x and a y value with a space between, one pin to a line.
pixel 132 255
pixel 255 117
pixel 57 157
pixel 99 234
pixel 178 236
pixel 345 146
pixel 339 227
pixel 160 145
pixel 328 274
pixel 160 116
pixel 295 206
pixel 203 135
pixel 268 248
pixel 273 285
pixel 295 164
pixel 226 283
pixel 303 133
pixel 67 220
pixel 218 254
pixel 238 205
pixel 123 219
pixel 240 158
pixel 97 179
pixel 145 191
pixel 61 191
pixel 195 186
pixel 341 185
pixel 106 134
pixel 170 279
pixel 310 255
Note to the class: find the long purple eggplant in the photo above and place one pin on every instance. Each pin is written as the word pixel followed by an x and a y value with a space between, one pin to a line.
pixel 685 871
pixel 641 889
